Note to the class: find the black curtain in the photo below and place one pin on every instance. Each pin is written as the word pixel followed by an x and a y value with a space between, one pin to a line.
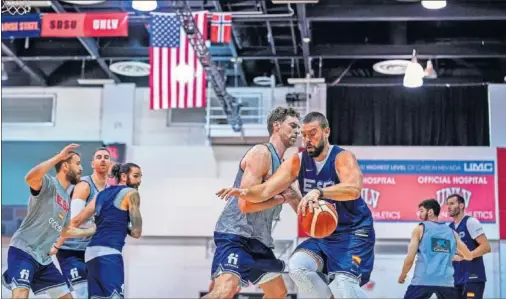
pixel 395 115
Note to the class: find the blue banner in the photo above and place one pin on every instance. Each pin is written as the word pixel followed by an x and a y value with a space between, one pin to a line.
pixel 20 26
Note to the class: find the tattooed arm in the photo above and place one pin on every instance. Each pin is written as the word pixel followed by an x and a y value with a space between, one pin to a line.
pixel 134 202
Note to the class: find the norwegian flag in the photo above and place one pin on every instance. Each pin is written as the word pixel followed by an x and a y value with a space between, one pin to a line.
pixel 177 78
pixel 221 28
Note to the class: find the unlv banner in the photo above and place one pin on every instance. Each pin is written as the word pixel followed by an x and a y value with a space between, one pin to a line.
pixel 84 24
pixel 394 188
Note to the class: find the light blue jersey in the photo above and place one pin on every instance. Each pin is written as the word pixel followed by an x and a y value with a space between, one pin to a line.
pixel 80 244
pixel 48 213
pixel 435 254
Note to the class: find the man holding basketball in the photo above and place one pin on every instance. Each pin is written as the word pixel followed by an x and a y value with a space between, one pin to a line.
pixel 330 173
pixel 243 233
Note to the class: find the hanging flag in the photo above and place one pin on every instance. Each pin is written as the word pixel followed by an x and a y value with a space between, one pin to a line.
pixel 176 79
pixel 221 27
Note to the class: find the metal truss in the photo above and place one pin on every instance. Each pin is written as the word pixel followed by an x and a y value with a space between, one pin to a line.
pixel 230 105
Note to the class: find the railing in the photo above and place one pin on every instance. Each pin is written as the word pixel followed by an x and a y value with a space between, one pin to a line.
pixel 256 103
pixel 254 108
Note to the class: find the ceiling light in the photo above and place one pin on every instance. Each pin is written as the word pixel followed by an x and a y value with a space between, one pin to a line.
pixel 430 72
pixel 263 81
pixel 391 67
pixel 414 73
pixel 130 68
pixel 412 81
pixel 144 5
pixel 434 4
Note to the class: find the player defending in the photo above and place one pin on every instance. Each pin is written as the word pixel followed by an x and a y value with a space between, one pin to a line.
pixel 243 233
pixel 113 208
pixel 469 276
pixel 330 173
pixel 436 245
pixel 29 265
pixel 70 254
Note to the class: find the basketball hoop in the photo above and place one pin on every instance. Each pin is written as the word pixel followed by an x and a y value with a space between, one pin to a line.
pixel 16 7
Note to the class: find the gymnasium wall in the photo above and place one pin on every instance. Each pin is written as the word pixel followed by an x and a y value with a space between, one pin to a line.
pixel 181 175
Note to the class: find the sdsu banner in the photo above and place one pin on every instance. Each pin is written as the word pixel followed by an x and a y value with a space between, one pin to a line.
pixel 393 189
pixel 20 26
pixel 84 24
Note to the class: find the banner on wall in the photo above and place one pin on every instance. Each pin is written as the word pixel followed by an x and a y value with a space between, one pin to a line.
pixel 20 26
pixel 118 155
pixel 501 180
pixel 393 188
pixel 84 24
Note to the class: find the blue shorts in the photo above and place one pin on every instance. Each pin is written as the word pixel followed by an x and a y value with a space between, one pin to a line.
pixel 72 265
pixel 248 259
pixel 425 292
pixel 23 271
pixel 106 276
pixel 470 290
pixel 349 253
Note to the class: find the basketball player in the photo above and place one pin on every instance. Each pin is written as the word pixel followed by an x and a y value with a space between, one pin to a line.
pixel 436 245
pixel 243 233
pixel 325 172
pixel 112 208
pixel 29 265
pixel 469 276
pixel 70 254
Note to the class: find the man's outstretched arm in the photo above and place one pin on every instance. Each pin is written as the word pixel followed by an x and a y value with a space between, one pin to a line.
pixel 279 182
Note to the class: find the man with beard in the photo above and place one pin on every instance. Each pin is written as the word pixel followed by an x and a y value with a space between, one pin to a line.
pixel 113 209
pixel 436 245
pixel 469 276
pixel 243 233
pixel 70 252
pixel 29 265
pixel 325 172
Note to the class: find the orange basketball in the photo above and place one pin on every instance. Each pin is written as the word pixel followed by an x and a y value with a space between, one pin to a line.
pixel 322 222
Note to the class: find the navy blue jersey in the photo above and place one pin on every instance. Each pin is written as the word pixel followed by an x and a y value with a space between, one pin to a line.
pixel 353 214
pixel 111 221
pixel 469 271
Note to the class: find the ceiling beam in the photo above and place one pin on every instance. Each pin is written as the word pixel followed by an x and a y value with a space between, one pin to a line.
pixel 424 51
pixel 405 12
pixel 89 44
pixel 356 51
pixel 35 74
pixel 233 48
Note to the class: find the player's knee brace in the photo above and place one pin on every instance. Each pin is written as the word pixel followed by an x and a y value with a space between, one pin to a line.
pixel 346 286
pixel 81 290
pixel 303 271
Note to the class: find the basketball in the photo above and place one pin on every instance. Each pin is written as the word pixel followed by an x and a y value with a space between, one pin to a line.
pixel 322 222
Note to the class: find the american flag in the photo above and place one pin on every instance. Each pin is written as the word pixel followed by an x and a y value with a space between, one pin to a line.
pixel 221 27
pixel 177 79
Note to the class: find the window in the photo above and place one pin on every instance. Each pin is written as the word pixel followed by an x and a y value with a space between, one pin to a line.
pixel 28 109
